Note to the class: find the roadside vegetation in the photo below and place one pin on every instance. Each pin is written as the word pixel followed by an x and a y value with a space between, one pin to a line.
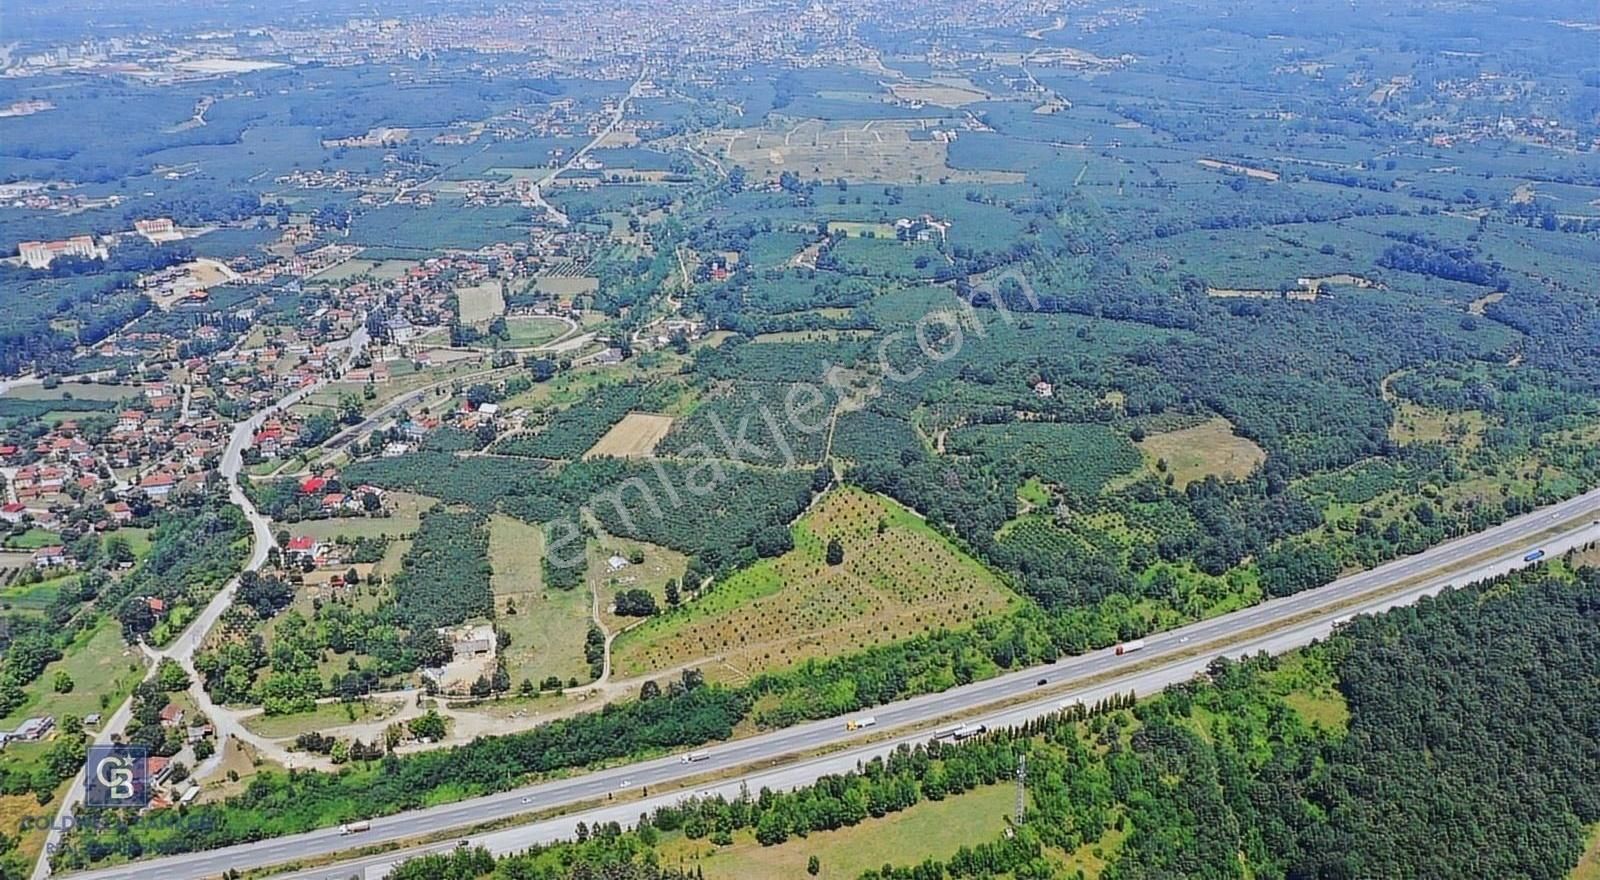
pixel 1241 773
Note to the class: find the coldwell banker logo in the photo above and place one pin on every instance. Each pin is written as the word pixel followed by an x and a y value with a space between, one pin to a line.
pixel 117 776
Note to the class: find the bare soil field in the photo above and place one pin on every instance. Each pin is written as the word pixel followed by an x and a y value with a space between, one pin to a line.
pixel 943 94
pixel 1241 293
pixel 1482 303
pixel 450 356
pixel 244 762
pixel 879 151
pixel 635 436
pixel 481 303
pixel 1305 289
pixel 810 335
pixel 1246 170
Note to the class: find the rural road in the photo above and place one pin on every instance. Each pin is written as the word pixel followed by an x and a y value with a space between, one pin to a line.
pixel 1275 625
pixel 617 113
pixel 226 722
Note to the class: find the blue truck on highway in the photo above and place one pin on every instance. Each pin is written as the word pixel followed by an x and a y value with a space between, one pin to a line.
pixel 1535 556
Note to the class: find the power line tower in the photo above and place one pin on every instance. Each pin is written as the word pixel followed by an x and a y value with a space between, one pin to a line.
pixel 1022 786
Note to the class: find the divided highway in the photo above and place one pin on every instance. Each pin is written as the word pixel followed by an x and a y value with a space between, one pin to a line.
pixel 1274 626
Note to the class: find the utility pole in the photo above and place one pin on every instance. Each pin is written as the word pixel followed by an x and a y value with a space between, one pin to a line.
pixel 1022 786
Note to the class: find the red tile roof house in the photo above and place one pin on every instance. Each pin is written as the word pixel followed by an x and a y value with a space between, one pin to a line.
pixel 13 512
pixel 268 440
pixel 157 769
pixel 158 485
pixel 45 479
pixel 54 556
pixel 172 715
pixel 303 547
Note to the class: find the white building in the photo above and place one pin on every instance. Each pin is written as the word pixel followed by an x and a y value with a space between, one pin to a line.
pixel 39 254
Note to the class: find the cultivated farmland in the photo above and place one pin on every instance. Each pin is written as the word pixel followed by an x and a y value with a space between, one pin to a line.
pixel 898 579
pixel 947 93
pixel 878 151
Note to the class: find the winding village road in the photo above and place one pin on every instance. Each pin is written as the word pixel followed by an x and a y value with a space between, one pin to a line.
pixel 183 647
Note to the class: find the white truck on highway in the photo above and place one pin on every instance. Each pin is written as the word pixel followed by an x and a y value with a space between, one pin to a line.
pixel 355 827
pixel 1129 647
pixel 860 723
pixel 694 757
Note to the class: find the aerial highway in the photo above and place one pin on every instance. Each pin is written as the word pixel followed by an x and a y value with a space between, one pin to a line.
pixel 788 758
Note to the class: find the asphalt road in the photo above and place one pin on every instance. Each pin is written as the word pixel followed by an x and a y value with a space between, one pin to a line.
pixel 1448 563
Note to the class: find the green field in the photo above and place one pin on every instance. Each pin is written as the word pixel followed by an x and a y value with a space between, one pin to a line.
pixel 36 596
pixel 651 575
pixel 99 663
pixel 527 331
pixel 324 716
pixel 548 626
pixel 32 539
pixel 74 391
pixel 1589 864
pixel 380 270
pixel 1208 449
pixel 405 511
pixel 934 829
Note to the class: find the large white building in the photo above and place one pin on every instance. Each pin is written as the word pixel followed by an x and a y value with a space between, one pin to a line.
pixel 158 229
pixel 39 254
